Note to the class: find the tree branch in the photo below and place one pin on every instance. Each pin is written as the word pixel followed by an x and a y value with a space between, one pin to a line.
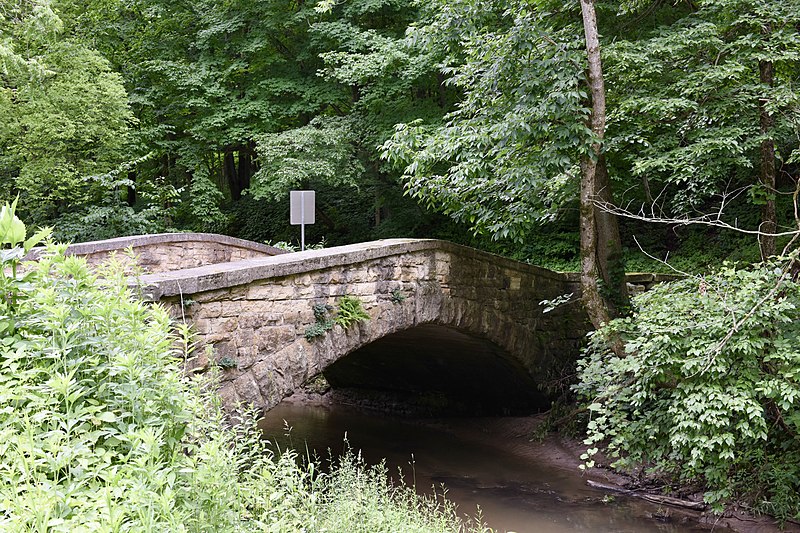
pixel 705 220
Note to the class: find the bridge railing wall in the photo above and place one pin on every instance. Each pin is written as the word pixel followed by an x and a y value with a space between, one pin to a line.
pixel 164 252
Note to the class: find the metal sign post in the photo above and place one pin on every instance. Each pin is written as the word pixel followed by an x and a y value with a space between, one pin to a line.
pixel 301 211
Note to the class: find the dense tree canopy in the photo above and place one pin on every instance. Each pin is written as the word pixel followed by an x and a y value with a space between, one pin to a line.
pixel 698 100
pixel 207 113
pixel 64 113
pixel 504 159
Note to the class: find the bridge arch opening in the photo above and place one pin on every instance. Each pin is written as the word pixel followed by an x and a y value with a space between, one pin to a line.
pixel 435 370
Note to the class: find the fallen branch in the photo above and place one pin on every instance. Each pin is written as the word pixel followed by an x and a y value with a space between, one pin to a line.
pixel 652 498
pixel 657 215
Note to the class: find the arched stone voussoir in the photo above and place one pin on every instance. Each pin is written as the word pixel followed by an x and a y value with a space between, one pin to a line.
pixel 281 373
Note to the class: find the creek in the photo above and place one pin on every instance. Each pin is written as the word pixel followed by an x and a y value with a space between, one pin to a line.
pixel 483 462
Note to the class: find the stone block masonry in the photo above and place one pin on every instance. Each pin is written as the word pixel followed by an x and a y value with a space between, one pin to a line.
pixel 255 312
pixel 170 251
pixel 251 304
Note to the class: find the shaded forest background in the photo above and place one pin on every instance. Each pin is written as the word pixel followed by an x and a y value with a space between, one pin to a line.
pixel 133 116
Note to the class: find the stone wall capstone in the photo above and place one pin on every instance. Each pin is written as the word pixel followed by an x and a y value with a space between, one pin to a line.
pixel 163 252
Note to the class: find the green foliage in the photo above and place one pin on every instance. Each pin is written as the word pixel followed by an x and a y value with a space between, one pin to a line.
pixel 361 501
pixel 321 312
pixel 209 81
pixel 684 99
pixel 64 114
pixel 97 222
pixel 227 362
pixel 322 151
pixel 709 389
pixel 261 220
pixel 95 406
pixel 506 158
pixel 398 297
pixel 317 329
pixel 107 216
pixel 101 430
pixel 322 322
pixel 363 47
pixel 205 198
pixel 13 247
pixel 350 311
pixel 12 229
pixel 283 245
pixel 289 247
pixel 263 96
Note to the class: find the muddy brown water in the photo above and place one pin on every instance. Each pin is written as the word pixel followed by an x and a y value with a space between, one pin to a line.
pixel 483 462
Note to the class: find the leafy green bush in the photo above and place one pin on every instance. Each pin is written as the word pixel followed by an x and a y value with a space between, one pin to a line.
pixel 360 499
pixel 290 247
pixel 95 223
pixel 100 429
pixel 709 389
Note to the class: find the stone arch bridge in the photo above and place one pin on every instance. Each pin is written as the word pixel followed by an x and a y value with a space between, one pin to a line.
pixel 444 319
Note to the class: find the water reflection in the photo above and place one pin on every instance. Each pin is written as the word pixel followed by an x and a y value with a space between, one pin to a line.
pixel 479 465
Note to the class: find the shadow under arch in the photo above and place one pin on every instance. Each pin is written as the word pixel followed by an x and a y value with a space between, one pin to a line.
pixel 434 369
pixel 442 353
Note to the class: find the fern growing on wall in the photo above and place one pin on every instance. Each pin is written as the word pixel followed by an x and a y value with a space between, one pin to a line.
pixel 350 311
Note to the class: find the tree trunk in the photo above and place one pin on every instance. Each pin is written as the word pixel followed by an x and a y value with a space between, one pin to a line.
pixel 130 197
pixel 245 171
pixel 231 177
pixel 590 272
pixel 599 232
pixel 441 90
pixel 768 216
pixel 609 247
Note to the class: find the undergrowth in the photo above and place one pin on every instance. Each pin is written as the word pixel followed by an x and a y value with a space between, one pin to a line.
pixel 708 390
pixel 101 431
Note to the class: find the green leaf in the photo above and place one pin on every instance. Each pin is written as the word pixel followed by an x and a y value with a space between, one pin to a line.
pixel 37 238
pixel 106 416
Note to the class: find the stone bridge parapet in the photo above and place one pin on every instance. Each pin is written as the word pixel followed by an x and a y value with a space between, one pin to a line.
pixel 455 316
pixel 171 251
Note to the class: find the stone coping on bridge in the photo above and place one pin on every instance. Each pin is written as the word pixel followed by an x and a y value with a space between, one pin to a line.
pixel 224 275
pixel 137 241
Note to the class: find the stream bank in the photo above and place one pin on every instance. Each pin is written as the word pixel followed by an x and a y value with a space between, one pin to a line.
pixel 490 462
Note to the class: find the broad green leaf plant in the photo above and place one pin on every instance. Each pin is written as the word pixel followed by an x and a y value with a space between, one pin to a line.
pixel 13 248
pixel 708 393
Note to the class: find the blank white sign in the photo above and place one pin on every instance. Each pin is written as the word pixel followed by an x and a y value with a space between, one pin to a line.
pixel 301 207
